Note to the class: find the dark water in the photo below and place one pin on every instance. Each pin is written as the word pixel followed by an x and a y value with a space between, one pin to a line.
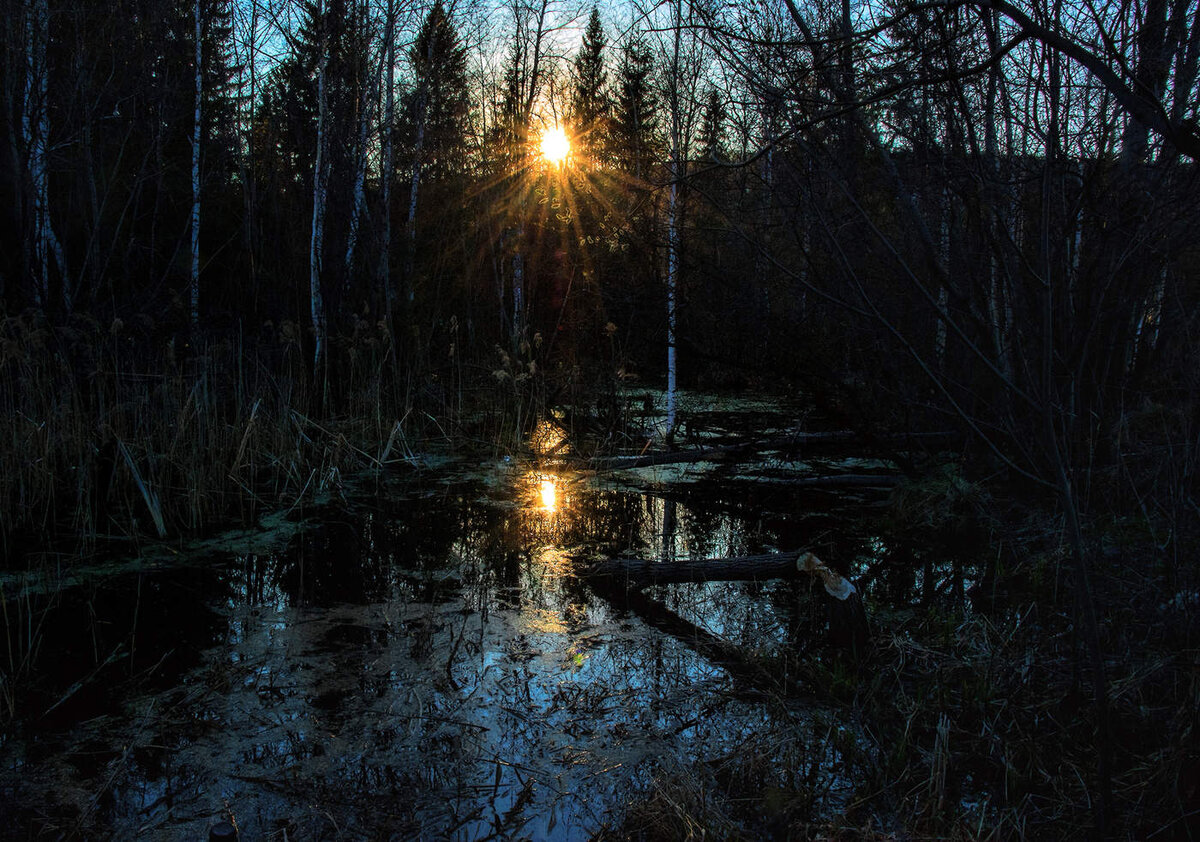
pixel 420 660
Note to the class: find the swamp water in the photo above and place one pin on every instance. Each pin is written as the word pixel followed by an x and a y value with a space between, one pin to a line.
pixel 421 661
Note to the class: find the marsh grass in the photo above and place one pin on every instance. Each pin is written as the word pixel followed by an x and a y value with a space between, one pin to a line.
pixel 963 724
pixel 24 616
pixel 115 435
pixel 118 431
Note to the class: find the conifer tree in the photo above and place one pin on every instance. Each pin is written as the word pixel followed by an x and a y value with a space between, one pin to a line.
pixel 711 140
pixel 437 113
pixel 588 110
pixel 438 108
pixel 635 132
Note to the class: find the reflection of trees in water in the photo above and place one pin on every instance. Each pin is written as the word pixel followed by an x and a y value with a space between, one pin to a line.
pixel 437 656
pixel 512 551
pixel 711 533
pixel 742 613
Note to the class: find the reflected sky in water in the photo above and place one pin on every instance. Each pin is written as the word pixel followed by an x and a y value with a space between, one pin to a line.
pixel 438 651
pixel 425 663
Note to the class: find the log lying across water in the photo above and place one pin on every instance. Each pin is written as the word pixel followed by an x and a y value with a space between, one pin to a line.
pixel 790 441
pixel 640 571
pixel 847 617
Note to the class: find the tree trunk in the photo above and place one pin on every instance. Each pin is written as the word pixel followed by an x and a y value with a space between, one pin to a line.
pixel 365 108
pixel 673 218
pixel 36 128
pixel 848 619
pixel 641 572
pixel 787 443
pixel 316 243
pixel 249 170
pixel 410 253
pixel 1150 78
pixel 410 225
pixel 518 288
pixel 1056 441
pixel 945 206
pixel 194 285
pixel 387 173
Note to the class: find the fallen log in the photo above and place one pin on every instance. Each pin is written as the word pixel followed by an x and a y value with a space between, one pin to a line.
pixel 790 441
pixel 707 645
pixel 716 453
pixel 847 616
pixel 641 572
pixel 844 481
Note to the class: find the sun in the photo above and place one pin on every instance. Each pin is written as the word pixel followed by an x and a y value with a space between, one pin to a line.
pixel 555 145
pixel 548 493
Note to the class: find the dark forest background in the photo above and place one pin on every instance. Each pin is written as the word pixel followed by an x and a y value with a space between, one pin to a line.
pixel 971 216
pixel 249 244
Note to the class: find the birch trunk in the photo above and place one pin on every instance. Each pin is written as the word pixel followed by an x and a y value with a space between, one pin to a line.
pixel 943 289
pixel 387 172
pixel 318 225
pixel 673 219
pixel 249 173
pixel 410 226
pixel 518 287
pixel 360 177
pixel 365 108
pixel 672 279
pixel 36 128
pixel 194 286
pixel 997 296
pixel 520 127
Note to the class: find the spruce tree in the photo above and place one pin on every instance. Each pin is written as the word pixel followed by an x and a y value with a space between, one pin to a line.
pixel 439 105
pixel 711 138
pixel 635 137
pixel 331 33
pixel 589 106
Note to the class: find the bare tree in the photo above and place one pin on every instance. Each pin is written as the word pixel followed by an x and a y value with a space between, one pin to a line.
pixel 36 130
pixel 683 68
pixel 194 284
pixel 317 240
pixel 387 167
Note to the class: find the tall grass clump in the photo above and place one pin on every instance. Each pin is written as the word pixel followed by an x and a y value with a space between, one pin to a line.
pixel 114 430
pixel 131 428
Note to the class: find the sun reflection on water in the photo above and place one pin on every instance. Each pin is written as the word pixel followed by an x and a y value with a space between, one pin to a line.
pixel 548 493
pixel 548 508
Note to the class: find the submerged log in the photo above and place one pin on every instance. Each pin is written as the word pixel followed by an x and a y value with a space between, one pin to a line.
pixel 642 572
pixel 730 657
pixel 678 457
pixel 847 617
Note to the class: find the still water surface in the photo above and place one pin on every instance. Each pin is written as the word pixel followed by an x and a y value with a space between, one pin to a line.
pixel 420 660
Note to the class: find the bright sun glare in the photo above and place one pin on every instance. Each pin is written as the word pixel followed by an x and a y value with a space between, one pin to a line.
pixel 549 494
pixel 555 145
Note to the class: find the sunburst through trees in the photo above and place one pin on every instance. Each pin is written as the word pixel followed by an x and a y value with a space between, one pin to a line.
pixel 556 146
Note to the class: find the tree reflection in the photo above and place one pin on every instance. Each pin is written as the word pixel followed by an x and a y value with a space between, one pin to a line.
pixel 438 650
